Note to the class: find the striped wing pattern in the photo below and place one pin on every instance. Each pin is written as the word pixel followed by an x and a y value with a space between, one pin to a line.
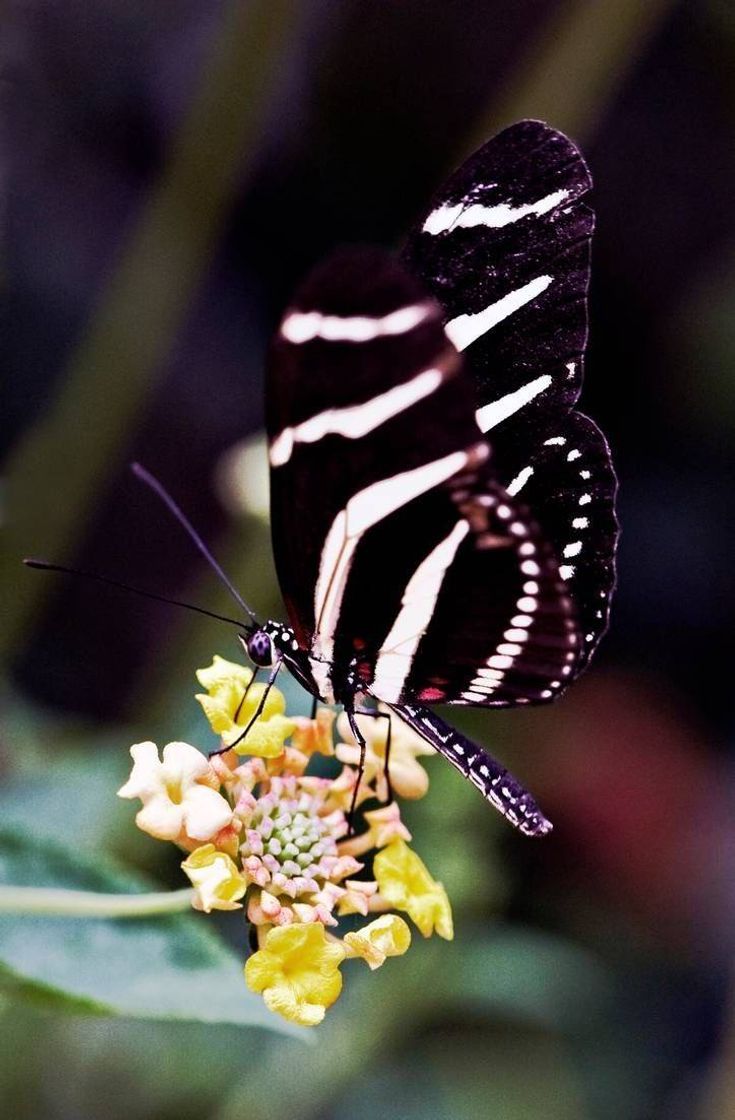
pixel 569 483
pixel 505 249
pixel 443 519
pixel 484 618
pixel 401 557
pixel 367 412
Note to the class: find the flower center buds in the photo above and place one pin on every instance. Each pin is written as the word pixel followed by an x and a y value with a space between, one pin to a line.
pixel 291 841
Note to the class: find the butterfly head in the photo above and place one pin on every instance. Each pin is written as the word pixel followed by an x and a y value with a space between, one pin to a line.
pixel 268 643
pixel 260 647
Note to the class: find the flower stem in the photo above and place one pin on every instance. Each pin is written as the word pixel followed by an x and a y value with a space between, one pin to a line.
pixel 56 902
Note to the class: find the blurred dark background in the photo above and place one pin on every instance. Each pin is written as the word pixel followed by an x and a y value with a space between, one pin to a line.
pixel 171 170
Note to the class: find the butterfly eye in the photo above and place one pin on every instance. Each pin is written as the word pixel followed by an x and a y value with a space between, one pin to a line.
pixel 261 650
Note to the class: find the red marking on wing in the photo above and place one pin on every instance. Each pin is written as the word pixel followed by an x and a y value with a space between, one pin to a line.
pixel 430 694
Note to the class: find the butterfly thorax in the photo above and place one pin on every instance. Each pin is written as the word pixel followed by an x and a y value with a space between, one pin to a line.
pixel 331 682
pixel 314 674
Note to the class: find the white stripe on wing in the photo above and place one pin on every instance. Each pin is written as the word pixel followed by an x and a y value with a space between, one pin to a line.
pixel 356 421
pixel 460 215
pixel 466 329
pixel 363 510
pixel 303 326
pixel 417 607
pixel 490 415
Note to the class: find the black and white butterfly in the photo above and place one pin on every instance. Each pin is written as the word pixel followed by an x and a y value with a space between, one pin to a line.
pixel 443 519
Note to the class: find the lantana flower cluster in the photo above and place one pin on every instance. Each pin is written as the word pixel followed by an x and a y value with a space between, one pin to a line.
pixel 264 835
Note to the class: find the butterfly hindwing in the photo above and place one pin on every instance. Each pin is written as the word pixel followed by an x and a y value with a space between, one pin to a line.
pixel 484 618
pixel 567 479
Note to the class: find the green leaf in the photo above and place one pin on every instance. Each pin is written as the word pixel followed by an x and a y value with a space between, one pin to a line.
pixel 168 967
pixel 74 802
pixel 511 980
pixel 527 975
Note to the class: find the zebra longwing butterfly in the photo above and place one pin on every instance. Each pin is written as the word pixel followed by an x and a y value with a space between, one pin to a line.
pixel 443 520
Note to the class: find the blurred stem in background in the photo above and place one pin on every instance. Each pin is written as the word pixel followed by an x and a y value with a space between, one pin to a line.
pixel 91 904
pixel 51 487
pixel 575 67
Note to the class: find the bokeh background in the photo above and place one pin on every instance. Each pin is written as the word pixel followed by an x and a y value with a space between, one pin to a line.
pixel 171 170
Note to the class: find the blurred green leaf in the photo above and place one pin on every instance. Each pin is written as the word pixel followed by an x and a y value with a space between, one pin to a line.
pixel 158 968
pixel 464 1073
pixel 509 978
pixel 72 802
pixel 526 976
pixel 86 1067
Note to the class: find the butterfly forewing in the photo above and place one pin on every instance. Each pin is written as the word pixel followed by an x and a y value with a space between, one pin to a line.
pixel 368 410
pixel 505 247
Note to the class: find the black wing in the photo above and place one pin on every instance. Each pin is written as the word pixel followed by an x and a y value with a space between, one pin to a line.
pixel 395 545
pixel 567 479
pixel 483 616
pixel 365 409
pixel 505 248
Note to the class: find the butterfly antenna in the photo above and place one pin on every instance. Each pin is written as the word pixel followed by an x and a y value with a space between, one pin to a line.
pixel 44 566
pixel 158 488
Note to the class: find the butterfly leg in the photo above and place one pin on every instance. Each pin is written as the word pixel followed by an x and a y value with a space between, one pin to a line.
pixel 258 711
pixel 375 714
pixel 386 762
pixel 244 696
pixel 360 740
pixel 389 736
